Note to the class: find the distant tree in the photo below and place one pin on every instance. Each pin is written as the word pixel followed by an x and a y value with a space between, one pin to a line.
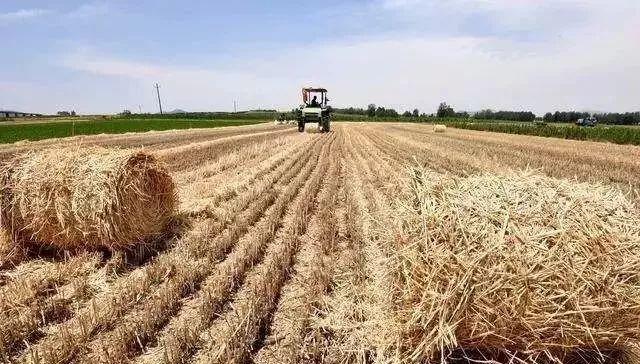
pixel 371 110
pixel 565 116
pixel 416 113
pixel 407 114
pixel 445 111
pixel 489 114
pixel 351 111
pixel 125 112
pixel 627 118
pixel 63 113
pixel 73 113
pixel 462 115
pixel 548 118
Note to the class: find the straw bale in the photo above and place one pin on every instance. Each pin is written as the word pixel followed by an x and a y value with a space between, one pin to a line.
pixel 438 128
pixel 85 197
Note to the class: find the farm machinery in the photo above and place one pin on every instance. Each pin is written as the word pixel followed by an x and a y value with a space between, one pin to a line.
pixel 590 121
pixel 313 110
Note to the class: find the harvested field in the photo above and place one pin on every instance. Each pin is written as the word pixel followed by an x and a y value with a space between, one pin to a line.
pixel 375 243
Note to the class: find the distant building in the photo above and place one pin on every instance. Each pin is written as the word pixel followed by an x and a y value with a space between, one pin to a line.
pixel 16 114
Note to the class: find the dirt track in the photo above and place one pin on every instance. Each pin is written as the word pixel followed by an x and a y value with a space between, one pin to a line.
pixel 277 261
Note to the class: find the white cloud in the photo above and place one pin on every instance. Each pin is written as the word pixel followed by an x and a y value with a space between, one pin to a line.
pixel 395 4
pixel 522 19
pixel 23 14
pixel 471 73
pixel 89 10
pixel 82 60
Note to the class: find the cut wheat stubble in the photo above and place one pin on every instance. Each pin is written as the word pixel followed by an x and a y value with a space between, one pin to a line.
pixel 139 327
pixel 66 339
pixel 233 336
pixel 310 278
pixel 180 338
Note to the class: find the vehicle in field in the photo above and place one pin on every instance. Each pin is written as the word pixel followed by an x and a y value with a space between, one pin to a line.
pixel 313 110
pixel 590 121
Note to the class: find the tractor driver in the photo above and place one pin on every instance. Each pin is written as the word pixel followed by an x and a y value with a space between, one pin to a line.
pixel 314 102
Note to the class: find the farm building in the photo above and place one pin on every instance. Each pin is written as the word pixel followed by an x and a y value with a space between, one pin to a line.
pixel 16 114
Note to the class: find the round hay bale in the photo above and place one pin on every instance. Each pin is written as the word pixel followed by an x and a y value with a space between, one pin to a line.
pixel 85 198
pixel 439 128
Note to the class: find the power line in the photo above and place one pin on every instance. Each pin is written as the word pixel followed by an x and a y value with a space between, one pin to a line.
pixel 158 93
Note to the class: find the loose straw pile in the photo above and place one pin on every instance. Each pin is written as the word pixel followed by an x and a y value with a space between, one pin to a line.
pixel 515 266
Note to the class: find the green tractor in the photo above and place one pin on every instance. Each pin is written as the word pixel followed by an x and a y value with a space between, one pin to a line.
pixel 313 110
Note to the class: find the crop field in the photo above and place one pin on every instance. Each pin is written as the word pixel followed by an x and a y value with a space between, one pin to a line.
pixel 619 134
pixel 376 242
pixel 38 129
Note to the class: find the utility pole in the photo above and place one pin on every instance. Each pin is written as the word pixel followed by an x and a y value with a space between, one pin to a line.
pixel 158 93
pixel 140 108
pixel 235 106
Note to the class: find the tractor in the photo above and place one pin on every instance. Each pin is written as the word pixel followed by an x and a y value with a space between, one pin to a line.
pixel 313 110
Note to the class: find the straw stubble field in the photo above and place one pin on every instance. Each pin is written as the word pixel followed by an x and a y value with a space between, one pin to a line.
pixel 373 243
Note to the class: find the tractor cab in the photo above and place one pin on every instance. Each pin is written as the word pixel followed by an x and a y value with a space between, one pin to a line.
pixel 314 109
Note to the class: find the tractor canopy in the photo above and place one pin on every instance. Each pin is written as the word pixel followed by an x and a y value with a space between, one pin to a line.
pixel 313 89
pixel 307 95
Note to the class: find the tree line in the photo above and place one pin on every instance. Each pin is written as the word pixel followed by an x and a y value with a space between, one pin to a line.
pixel 627 118
pixel 447 111
pixel 374 110
pixel 526 116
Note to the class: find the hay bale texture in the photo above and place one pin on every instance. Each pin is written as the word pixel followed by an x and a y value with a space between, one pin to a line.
pixel 517 265
pixel 439 128
pixel 85 197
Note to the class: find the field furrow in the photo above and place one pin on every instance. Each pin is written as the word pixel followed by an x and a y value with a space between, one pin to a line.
pixel 587 161
pixel 62 340
pixel 202 196
pixel 153 140
pixel 290 323
pixel 192 155
pixel 139 326
pixel 180 338
pixel 233 337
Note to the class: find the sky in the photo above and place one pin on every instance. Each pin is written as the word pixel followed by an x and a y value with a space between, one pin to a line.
pixel 105 56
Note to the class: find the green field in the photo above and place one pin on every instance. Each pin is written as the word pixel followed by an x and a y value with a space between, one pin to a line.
pixel 10 133
pixel 604 133
pixel 45 128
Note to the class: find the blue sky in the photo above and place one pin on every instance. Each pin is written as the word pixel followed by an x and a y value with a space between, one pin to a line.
pixel 104 56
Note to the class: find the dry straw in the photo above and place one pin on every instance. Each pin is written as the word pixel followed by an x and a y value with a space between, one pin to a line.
pixel 516 266
pixel 85 197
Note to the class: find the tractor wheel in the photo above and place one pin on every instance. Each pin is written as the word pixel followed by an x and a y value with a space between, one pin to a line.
pixel 300 126
pixel 326 126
